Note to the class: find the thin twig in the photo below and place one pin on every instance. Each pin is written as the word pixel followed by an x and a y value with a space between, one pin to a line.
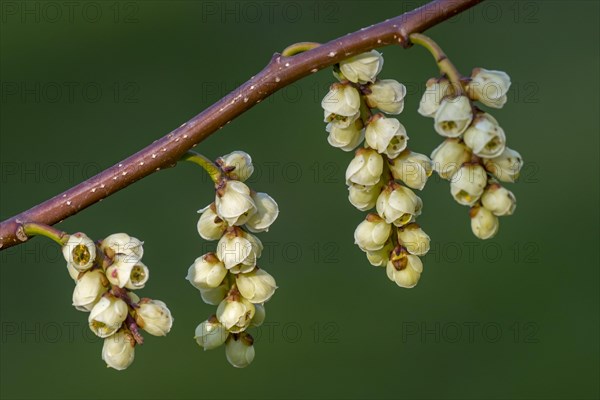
pixel 280 72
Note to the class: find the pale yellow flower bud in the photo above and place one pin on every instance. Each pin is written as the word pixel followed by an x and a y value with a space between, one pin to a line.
pixel 122 244
pixel 468 183
pixel 414 239
pixel 234 203
pixel 499 200
pixel 398 204
pixel 107 316
pixel 485 136
pixel 411 168
pixel 118 351
pixel 449 156
pixel 239 350
pixel 257 286
pixel 386 135
pixel 387 95
pixel 154 317
pixel 365 168
pixel 403 268
pixel 435 91
pixel 507 166
pixel 342 100
pixel 89 289
pixel 211 334
pixel 235 313
pixel 484 223
pixel 207 272
pixel 266 213
pixel 372 233
pixel 453 116
pixel 362 68
pixel 80 251
pixel 489 87
pixel 237 165
pixel 210 225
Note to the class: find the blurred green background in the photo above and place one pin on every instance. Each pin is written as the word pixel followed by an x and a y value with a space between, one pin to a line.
pixel 85 84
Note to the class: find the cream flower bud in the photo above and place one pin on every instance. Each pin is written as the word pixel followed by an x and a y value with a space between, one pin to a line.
pixel 365 168
pixel 239 350
pixel 411 168
pixel 489 87
pixel 468 183
pixel 266 213
pixel 80 251
pixel 257 285
pixel 386 135
pixel 129 272
pixel 237 165
pixel 342 100
pixel 235 313
pixel 122 244
pixel 453 116
pixel 379 258
pixel 210 225
pixel 206 272
pixel 362 68
pixel 154 317
pixel 435 91
pixel 372 233
pixel 387 95
pixel 398 204
pixel 234 249
pixel 414 239
pixel 499 200
pixel 507 166
pixel 449 156
pixel 214 296
pixel 403 268
pixel 364 197
pixel 107 316
pixel 118 351
pixel 89 289
pixel 234 203
pixel 484 224
pixel 485 136
pixel 211 334
pixel 259 316
pixel 345 138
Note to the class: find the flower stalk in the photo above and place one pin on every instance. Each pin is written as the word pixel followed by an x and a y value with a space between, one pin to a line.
pixel 35 229
pixel 445 65
pixel 211 168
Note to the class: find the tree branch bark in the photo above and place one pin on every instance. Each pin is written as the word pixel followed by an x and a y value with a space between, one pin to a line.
pixel 280 72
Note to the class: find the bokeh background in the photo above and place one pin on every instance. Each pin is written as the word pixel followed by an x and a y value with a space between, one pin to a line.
pixel 85 84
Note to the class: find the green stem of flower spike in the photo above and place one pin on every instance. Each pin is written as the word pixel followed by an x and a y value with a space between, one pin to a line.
pixel 443 62
pixel 211 168
pixel 35 229
pixel 298 48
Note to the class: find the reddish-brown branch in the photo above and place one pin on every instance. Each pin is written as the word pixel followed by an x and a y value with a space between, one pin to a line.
pixel 280 72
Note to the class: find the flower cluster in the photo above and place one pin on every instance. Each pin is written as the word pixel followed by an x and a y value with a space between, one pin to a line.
pixel 229 277
pixel 474 156
pixel 106 273
pixel 391 237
